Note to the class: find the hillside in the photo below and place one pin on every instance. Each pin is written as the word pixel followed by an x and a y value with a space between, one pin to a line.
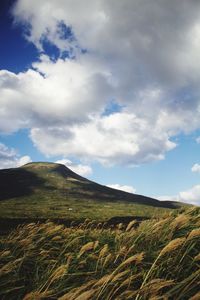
pixel 49 190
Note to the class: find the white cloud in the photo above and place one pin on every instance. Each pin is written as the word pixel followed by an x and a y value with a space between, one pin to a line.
pixel 142 54
pixel 83 170
pixel 117 138
pixel 198 140
pixel 23 160
pixel 166 198
pixel 191 196
pixel 159 40
pixel 196 168
pixel 67 94
pixel 126 188
pixel 10 159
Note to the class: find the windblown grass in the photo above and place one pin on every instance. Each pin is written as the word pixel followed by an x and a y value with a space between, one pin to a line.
pixel 160 259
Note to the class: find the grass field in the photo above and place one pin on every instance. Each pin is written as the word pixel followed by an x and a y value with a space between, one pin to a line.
pixel 159 259
pixel 74 209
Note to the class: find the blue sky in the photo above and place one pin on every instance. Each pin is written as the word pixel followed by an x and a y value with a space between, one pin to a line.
pixel 112 92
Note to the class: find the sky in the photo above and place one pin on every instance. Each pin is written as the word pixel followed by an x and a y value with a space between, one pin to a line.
pixel 109 88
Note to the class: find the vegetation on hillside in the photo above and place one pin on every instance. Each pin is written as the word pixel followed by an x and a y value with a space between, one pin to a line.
pixel 52 191
pixel 159 259
pixel 74 209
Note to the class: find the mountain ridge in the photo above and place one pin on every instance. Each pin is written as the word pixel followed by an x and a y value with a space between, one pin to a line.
pixel 26 178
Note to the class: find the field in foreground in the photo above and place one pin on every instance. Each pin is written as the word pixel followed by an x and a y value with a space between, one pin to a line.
pixel 159 259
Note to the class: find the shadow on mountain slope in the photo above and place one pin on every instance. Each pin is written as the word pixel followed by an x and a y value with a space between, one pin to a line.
pixel 18 182
pixel 53 179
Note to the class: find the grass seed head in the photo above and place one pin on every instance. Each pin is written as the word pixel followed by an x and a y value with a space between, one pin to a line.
pixel 180 222
pixel 87 247
pixel 103 251
pixel 196 296
pixel 172 245
pixel 120 226
pixel 128 294
pixel 44 252
pixel 96 244
pixel 10 266
pixel 74 293
pixel 155 285
pixel 56 238
pixel 59 272
pixel 130 279
pixel 137 258
pixel 104 279
pixel 107 259
pixel 5 253
pixel 37 295
pixel 54 229
pixel 159 225
pixel 86 295
pixel 120 275
pixel 197 257
pixel 25 242
pixel 130 225
pixel 195 233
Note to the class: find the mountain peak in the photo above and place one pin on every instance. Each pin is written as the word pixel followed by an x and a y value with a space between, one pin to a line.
pixel 49 167
pixel 38 165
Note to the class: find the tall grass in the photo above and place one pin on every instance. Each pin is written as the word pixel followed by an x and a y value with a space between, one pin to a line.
pixel 159 259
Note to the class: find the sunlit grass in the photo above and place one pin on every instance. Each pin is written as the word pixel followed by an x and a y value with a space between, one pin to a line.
pixel 50 207
pixel 160 259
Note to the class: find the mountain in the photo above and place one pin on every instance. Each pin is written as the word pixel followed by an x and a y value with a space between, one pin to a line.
pixel 49 190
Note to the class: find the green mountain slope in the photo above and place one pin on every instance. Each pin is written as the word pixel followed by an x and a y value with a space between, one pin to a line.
pixel 49 190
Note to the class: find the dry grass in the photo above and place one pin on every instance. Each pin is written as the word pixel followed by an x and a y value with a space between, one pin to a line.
pixel 160 259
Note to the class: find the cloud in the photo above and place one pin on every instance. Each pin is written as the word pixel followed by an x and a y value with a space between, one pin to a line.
pixel 196 168
pixel 83 170
pixel 126 188
pixel 10 159
pixel 166 198
pixel 118 138
pixel 144 42
pixel 198 140
pixel 68 93
pixel 141 55
pixel 191 196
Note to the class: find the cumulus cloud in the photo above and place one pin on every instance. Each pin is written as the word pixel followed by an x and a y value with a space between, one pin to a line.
pixel 145 42
pixel 10 159
pixel 196 168
pixel 119 137
pixel 142 54
pixel 66 95
pixel 191 195
pixel 83 170
pixel 126 188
